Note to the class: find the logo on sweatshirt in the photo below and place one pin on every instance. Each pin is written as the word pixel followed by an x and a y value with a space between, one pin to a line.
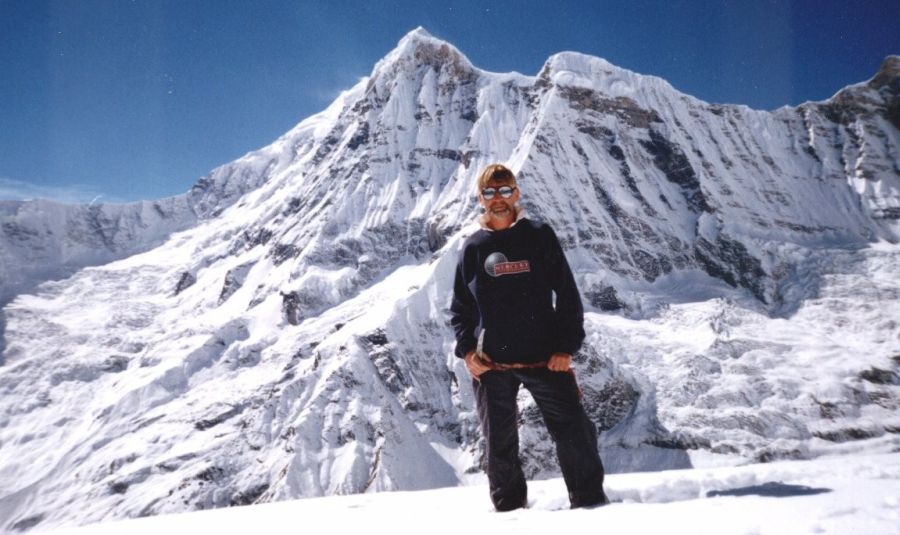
pixel 496 265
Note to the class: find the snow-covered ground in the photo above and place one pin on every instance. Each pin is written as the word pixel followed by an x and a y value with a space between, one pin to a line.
pixel 847 494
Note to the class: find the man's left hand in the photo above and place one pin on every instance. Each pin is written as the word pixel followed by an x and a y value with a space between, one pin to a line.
pixel 560 362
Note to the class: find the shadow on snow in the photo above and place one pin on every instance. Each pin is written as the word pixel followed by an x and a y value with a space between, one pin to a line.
pixel 772 489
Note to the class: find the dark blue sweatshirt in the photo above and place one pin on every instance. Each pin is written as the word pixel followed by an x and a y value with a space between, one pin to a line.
pixel 503 292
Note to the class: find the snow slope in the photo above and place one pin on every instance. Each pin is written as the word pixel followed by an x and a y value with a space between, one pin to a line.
pixel 827 496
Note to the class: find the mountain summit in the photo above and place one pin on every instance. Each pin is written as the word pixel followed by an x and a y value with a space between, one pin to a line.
pixel 281 330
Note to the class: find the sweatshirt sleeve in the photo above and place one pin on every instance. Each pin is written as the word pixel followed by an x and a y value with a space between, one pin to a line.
pixel 463 311
pixel 569 310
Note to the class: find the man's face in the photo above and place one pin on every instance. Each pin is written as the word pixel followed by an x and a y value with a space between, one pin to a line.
pixel 498 207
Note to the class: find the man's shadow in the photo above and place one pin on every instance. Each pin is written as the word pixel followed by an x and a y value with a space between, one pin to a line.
pixel 772 489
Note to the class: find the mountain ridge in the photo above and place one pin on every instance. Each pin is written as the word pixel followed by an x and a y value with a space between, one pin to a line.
pixel 228 182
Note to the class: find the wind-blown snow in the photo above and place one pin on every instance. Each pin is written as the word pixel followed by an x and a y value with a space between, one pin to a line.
pixel 285 332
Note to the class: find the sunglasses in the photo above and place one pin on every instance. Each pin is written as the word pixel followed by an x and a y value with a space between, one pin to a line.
pixel 505 191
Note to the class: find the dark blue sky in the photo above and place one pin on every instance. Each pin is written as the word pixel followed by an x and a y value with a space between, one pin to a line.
pixel 138 99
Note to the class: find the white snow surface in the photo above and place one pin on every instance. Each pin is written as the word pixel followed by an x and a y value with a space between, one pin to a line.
pixel 281 331
pixel 836 495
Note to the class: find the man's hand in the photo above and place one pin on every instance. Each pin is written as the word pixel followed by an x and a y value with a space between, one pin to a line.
pixel 560 362
pixel 476 365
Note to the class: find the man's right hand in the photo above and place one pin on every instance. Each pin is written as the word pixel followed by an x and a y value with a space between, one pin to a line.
pixel 476 365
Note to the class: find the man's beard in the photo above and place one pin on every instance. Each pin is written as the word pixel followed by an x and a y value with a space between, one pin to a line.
pixel 501 210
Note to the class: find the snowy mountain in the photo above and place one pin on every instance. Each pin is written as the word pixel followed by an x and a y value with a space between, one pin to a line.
pixel 42 240
pixel 281 331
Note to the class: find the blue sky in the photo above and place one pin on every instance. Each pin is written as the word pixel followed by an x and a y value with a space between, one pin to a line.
pixel 126 100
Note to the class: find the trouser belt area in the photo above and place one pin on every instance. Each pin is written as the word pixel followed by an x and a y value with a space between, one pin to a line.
pixel 503 366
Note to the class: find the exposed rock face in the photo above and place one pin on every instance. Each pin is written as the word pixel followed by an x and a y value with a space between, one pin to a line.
pixel 283 331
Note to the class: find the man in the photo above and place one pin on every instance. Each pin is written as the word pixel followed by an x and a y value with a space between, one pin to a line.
pixel 510 334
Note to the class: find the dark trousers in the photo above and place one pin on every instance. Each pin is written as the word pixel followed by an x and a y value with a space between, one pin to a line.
pixel 556 395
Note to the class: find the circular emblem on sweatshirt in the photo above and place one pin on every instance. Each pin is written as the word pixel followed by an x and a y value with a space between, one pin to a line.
pixel 496 265
pixel 491 263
